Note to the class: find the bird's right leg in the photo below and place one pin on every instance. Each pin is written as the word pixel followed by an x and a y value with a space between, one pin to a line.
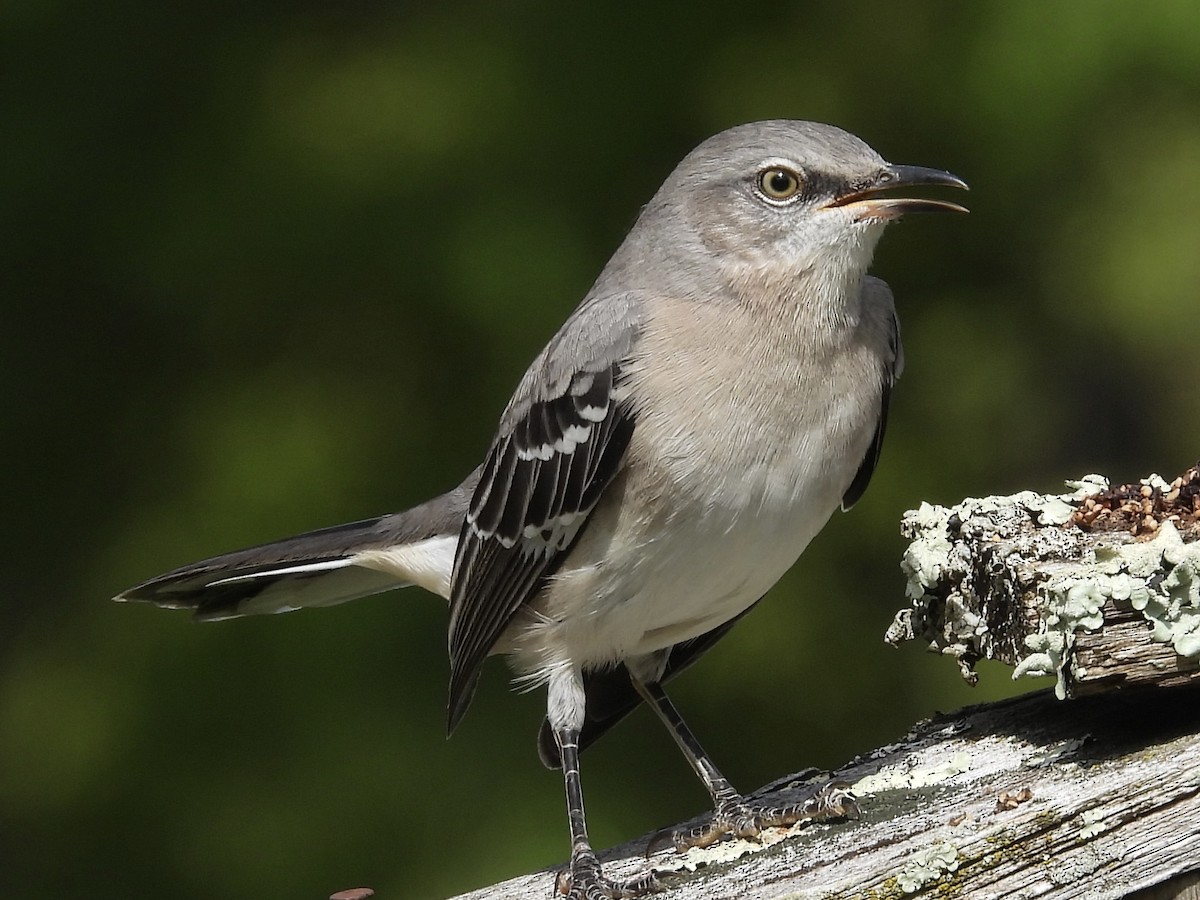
pixel 583 879
pixel 734 814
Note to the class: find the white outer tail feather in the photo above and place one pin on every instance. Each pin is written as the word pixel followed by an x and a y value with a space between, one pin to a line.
pixel 426 563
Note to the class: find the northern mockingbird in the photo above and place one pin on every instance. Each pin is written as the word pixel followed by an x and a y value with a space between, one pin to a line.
pixel 720 391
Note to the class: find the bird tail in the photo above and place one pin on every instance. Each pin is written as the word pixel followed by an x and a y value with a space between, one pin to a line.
pixel 323 567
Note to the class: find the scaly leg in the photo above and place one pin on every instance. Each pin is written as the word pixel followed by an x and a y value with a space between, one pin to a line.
pixel 583 879
pixel 733 814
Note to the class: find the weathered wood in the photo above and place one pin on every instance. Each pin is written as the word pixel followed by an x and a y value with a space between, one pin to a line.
pixel 1092 798
pixel 1122 654
pixel 1100 588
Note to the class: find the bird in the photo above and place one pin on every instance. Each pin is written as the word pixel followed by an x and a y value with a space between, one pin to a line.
pixel 717 394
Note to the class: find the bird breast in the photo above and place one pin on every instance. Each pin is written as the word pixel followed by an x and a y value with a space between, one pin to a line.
pixel 736 462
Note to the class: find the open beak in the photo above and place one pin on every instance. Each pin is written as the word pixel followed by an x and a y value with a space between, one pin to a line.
pixel 867 204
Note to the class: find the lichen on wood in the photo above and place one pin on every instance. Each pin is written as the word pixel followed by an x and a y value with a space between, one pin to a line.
pixel 1099 587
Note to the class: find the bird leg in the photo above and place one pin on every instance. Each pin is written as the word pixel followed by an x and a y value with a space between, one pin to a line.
pixel 584 879
pixel 734 814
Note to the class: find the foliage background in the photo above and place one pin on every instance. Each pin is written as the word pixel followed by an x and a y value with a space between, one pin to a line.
pixel 271 266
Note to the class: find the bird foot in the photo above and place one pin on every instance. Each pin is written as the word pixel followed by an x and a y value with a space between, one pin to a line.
pixel 584 880
pixel 738 817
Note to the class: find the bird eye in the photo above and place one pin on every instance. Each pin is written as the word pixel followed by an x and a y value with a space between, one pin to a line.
pixel 778 183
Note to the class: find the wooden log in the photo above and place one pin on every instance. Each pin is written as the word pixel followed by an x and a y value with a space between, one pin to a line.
pixel 1029 798
pixel 1100 587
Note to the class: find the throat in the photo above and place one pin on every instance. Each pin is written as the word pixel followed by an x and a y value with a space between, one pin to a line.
pixel 811 304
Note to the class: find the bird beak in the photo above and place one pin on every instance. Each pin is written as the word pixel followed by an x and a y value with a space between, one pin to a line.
pixel 867 204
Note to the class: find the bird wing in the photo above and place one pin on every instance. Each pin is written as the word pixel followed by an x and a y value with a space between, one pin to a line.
pixel 561 442
pixel 893 368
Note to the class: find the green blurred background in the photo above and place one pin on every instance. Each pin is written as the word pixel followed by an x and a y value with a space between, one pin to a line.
pixel 272 266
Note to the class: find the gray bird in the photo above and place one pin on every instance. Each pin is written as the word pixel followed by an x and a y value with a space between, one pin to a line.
pixel 720 391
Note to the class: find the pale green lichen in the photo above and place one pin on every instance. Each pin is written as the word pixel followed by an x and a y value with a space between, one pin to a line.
pixel 925 559
pixel 1092 826
pixel 976 562
pixel 1089 486
pixel 945 560
pixel 1175 607
pixel 927 866
pixel 900 777
pixel 1051 510
pixel 1159 578
pixel 1071 603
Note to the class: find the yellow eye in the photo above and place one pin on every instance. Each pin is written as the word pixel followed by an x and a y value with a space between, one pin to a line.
pixel 778 183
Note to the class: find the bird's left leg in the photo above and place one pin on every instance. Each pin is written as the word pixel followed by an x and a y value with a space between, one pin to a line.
pixel 733 814
pixel 583 879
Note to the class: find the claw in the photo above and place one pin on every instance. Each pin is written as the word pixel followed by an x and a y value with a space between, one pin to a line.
pixel 584 880
pixel 740 818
